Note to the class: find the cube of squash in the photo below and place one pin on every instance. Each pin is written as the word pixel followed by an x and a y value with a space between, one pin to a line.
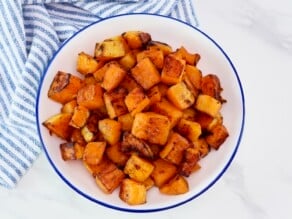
pixel 69 106
pixel 156 56
pixel 79 117
pixel 128 61
pixel 114 102
pixel 167 109
pixel 64 87
pixel 136 101
pixel 76 137
pixel 176 186
pixel 154 95
pixel 126 121
pixel 202 146
pixel 86 64
pixel 111 48
pixel 174 149
pixel 59 125
pixel 136 39
pixel 190 160
pixel 164 47
pixel 151 127
pixel 110 129
pixel 138 168
pixel 115 154
pixel 173 70
pixel 132 192
pixel 93 152
pixel 129 83
pixel 189 114
pixel 194 74
pixel 189 129
pixel 145 73
pixel 208 105
pixel 67 151
pixel 113 75
pixel 180 96
pixel 108 176
pixel 191 59
pixel 210 85
pixel 90 96
pixel 131 144
pixel 163 172
pixel 87 134
pixel 79 150
pixel 217 137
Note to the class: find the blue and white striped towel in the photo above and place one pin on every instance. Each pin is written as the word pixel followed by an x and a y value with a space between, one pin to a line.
pixel 31 31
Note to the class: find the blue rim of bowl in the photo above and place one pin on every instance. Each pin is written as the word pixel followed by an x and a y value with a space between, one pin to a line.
pixel 154 209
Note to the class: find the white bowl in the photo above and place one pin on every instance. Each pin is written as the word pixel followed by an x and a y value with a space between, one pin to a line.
pixel 176 34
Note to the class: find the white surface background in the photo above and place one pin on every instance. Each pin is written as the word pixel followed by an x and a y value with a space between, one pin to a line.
pixel 257 36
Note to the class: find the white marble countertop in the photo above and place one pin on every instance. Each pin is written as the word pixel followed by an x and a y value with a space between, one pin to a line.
pixel 257 36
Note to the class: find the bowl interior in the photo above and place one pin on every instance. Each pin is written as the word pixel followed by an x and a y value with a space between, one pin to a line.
pixel 176 34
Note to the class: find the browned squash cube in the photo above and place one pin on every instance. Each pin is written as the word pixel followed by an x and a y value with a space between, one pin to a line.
pixel 99 73
pixel 189 114
pixel 129 83
pixel 163 172
pixel 208 105
pixel 127 121
pixel 110 129
pixel 180 96
pixel 130 144
pixel 79 117
pixel 114 102
pixel 93 152
pixel 79 150
pixel 136 101
pixel 86 64
pixel 190 160
pixel 76 137
pixel 59 125
pixel 173 70
pixel 90 96
pixel 115 154
pixel 69 106
pixel 133 192
pixel 194 75
pixel 192 59
pixel 211 86
pixel 176 186
pixel 218 135
pixel 64 87
pixel 136 39
pixel 67 151
pixel 148 183
pixel 113 75
pixel 174 149
pixel 128 61
pixel 111 48
pixel 138 168
pixel 145 73
pixel 202 146
pixel 108 176
pixel 151 127
pixel 165 48
pixel 154 95
pixel 167 109
pixel 156 56
pixel 189 129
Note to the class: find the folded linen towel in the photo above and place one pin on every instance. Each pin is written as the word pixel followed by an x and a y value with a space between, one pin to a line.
pixel 31 31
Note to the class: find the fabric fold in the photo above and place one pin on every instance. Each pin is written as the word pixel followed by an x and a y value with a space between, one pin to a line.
pixel 31 31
